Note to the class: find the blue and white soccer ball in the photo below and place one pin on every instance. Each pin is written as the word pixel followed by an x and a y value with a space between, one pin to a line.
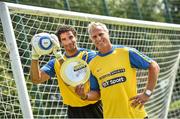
pixel 42 43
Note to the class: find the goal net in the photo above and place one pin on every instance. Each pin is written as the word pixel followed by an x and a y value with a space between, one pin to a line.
pixel 174 109
pixel 160 41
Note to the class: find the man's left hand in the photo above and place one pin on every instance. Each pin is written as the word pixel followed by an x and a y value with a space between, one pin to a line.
pixel 139 100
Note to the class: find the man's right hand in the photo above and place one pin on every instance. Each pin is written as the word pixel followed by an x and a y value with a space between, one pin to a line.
pixel 55 42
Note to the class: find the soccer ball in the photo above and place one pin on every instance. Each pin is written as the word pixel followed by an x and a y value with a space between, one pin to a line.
pixel 42 43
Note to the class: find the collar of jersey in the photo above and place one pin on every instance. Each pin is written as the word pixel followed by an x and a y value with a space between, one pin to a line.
pixel 102 55
pixel 72 55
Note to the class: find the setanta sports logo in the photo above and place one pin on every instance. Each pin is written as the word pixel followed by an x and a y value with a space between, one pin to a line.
pixel 113 81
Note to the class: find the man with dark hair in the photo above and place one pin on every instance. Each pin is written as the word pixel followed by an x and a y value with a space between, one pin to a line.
pixel 78 106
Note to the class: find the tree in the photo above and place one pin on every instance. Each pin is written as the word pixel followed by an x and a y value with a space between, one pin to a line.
pixel 174 8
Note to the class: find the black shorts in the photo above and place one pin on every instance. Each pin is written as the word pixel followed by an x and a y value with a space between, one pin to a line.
pixel 89 111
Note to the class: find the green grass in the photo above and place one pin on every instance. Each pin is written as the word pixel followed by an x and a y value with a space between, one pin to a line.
pixel 175 105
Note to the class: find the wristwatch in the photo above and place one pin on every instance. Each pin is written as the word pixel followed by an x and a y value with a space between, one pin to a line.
pixel 148 93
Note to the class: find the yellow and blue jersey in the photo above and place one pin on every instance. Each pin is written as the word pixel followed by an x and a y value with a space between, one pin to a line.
pixel 115 72
pixel 68 94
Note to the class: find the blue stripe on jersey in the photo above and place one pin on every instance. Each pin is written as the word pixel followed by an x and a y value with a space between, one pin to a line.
pixel 73 55
pixel 139 60
pixel 105 54
pixel 49 68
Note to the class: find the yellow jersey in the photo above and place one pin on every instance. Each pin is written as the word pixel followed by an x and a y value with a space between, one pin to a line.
pixel 68 94
pixel 116 75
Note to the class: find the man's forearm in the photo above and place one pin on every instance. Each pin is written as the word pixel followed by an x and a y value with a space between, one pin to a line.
pixel 93 95
pixel 35 71
pixel 152 76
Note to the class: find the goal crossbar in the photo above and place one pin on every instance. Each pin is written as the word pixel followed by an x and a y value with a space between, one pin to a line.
pixel 88 17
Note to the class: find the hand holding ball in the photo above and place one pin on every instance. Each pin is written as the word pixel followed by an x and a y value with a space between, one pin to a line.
pixel 44 44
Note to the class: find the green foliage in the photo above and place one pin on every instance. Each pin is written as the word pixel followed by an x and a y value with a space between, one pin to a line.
pixel 174 6
pixel 56 4
pixel 150 10
pixel 87 6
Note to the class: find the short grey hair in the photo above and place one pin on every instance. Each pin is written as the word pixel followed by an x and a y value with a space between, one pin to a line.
pixel 93 25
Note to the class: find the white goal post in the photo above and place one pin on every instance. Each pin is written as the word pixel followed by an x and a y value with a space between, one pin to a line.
pixel 20 98
pixel 15 61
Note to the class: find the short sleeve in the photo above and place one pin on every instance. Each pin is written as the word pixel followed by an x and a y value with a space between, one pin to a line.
pixel 93 83
pixel 138 59
pixel 49 68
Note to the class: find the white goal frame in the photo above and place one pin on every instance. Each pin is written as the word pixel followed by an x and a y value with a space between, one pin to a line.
pixel 15 61
pixel 14 54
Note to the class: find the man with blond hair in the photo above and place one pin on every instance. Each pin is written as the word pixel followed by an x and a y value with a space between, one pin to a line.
pixel 114 67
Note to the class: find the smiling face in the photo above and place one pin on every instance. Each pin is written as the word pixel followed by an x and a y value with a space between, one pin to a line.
pixel 100 38
pixel 68 41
